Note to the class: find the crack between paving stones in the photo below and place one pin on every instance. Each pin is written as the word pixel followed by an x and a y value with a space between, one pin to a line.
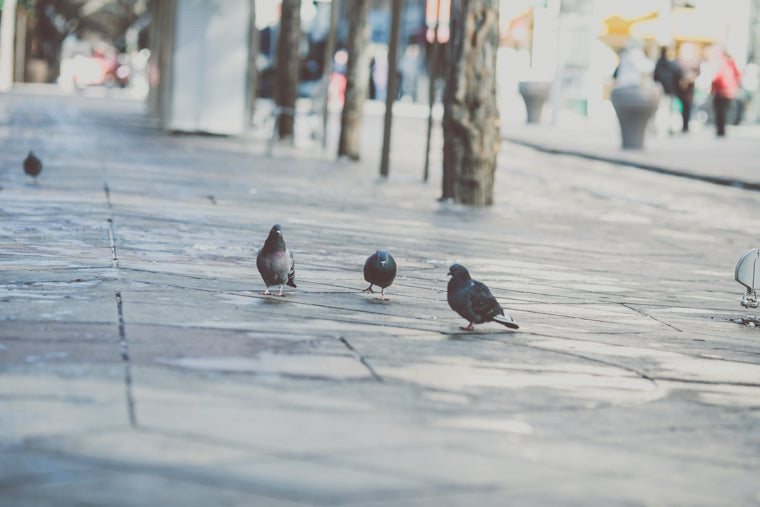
pixel 112 240
pixel 708 382
pixel 131 410
pixel 636 372
pixel 361 359
pixel 645 314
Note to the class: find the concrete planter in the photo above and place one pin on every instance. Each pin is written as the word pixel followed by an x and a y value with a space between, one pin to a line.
pixel 634 106
pixel 534 93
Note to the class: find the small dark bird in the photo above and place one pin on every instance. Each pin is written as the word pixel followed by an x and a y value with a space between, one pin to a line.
pixel 32 166
pixel 275 261
pixel 473 301
pixel 380 270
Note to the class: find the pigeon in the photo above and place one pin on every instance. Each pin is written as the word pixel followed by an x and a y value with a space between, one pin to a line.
pixel 32 166
pixel 275 262
pixel 380 270
pixel 473 301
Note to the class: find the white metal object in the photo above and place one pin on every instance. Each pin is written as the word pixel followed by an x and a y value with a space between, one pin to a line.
pixel 748 274
pixel 209 70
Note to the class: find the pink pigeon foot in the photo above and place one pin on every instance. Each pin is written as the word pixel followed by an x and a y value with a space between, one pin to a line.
pixel 468 328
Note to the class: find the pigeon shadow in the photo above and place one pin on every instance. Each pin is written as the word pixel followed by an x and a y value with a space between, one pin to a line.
pixel 377 301
pixel 272 299
pixel 464 335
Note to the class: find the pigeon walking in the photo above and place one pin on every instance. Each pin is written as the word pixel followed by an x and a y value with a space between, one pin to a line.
pixel 32 166
pixel 380 270
pixel 275 262
pixel 473 301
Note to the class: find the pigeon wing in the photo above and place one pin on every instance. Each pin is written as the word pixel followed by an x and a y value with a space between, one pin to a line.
pixel 369 274
pixel 292 272
pixel 482 302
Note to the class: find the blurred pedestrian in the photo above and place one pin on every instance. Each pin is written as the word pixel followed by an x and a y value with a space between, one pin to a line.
pixel 379 72
pixel 689 65
pixel 634 65
pixel 668 73
pixel 411 66
pixel 725 86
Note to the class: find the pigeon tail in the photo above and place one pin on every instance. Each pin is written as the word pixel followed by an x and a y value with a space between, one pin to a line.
pixel 506 320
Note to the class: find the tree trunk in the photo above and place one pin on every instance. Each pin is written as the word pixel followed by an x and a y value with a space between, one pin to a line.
pixel 471 117
pixel 357 79
pixel 286 80
pixel 253 74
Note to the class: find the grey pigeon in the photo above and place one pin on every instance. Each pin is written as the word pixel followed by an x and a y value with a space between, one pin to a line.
pixel 275 261
pixel 380 270
pixel 32 166
pixel 473 301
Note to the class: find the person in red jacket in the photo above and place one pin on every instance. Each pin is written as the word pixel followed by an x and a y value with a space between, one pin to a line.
pixel 725 86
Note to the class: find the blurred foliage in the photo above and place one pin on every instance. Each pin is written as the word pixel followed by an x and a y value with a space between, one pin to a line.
pixel 105 20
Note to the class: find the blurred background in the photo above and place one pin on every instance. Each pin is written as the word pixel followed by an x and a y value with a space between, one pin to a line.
pixel 200 64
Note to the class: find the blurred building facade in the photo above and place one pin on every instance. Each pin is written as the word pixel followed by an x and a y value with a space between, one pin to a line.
pixel 575 44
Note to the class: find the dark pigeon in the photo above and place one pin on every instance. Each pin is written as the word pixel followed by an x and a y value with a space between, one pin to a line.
pixel 32 166
pixel 473 301
pixel 380 270
pixel 275 261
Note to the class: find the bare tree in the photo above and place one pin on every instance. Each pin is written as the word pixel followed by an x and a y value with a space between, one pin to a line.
pixel 357 79
pixel 253 53
pixel 286 78
pixel 471 117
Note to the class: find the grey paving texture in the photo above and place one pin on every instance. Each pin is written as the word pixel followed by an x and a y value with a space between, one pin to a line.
pixel 140 366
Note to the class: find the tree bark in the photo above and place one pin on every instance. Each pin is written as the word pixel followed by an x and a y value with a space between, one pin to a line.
pixel 357 79
pixel 253 74
pixel 286 80
pixel 471 117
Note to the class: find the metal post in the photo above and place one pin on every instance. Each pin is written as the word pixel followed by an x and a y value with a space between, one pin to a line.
pixel 391 90
pixel 327 68
pixel 431 90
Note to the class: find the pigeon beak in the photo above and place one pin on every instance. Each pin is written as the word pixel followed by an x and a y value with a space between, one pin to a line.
pixel 449 273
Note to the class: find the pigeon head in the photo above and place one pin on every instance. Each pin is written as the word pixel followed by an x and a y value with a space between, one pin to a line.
pixel 458 271
pixel 274 241
pixel 382 256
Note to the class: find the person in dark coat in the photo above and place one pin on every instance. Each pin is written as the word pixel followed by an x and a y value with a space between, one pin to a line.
pixel 668 73
pixel 685 93
pixel 689 58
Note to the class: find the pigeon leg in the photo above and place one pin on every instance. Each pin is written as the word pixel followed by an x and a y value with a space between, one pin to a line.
pixel 382 295
pixel 369 288
pixel 265 293
pixel 281 294
pixel 470 327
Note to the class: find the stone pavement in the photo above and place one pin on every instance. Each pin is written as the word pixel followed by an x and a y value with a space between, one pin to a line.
pixel 140 366
pixel 731 160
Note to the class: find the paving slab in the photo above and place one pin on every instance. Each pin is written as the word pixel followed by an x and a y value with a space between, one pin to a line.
pixel 139 363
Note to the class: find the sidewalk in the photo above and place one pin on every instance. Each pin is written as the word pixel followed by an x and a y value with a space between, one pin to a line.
pixel 698 154
pixel 139 365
